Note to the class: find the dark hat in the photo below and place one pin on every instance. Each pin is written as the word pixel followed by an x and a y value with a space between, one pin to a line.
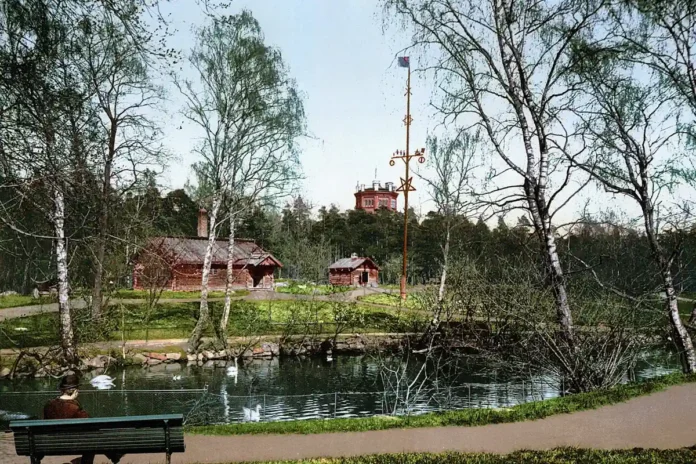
pixel 68 382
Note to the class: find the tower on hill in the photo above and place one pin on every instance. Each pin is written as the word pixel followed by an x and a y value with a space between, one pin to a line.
pixel 372 198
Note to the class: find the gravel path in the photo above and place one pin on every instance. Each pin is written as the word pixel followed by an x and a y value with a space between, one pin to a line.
pixel 663 420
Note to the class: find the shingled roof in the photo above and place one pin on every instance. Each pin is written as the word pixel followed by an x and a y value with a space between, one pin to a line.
pixel 191 250
pixel 351 263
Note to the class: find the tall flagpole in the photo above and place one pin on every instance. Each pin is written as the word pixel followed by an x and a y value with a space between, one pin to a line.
pixel 406 183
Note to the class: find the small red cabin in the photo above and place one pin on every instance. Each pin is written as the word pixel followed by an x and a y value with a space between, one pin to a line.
pixel 176 263
pixel 354 272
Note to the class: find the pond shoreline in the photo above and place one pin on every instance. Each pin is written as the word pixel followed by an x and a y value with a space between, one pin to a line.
pixel 154 352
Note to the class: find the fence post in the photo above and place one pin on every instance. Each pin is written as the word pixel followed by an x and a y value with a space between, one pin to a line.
pixel 468 386
pixel 524 397
pixel 335 403
pixel 264 407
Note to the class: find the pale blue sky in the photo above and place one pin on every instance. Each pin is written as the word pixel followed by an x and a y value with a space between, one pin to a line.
pixel 355 101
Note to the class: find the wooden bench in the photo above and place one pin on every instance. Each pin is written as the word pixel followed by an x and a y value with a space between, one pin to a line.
pixel 99 435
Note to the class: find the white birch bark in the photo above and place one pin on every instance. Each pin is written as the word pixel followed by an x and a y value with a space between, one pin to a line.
pixel 537 169
pixel 204 316
pixel 224 320
pixel 67 338
pixel 443 276
pixel 683 339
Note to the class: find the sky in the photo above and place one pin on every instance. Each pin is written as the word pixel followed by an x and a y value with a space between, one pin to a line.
pixel 345 65
pixel 354 94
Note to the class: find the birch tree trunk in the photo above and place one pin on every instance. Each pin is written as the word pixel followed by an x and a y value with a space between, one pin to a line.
pixel 224 320
pixel 556 279
pixel 684 342
pixel 67 338
pixel 443 276
pixel 204 312
pixel 682 337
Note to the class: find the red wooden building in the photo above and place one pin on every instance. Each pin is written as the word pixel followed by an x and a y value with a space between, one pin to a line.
pixel 354 272
pixel 372 198
pixel 176 263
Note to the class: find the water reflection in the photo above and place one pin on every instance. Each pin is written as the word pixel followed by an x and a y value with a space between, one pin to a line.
pixel 287 389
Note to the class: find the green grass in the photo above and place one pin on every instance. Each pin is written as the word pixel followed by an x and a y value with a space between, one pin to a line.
pixel 555 456
pixel 169 295
pixel 176 320
pixel 390 299
pixel 466 417
pixel 302 289
pixel 13 301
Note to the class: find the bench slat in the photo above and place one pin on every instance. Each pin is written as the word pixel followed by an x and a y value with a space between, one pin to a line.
pixel 173 419
pixel 125 435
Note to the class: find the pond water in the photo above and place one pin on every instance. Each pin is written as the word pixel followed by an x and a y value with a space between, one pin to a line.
pixel 288 388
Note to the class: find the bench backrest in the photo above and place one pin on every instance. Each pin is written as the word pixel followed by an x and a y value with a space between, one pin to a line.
pixel 124 435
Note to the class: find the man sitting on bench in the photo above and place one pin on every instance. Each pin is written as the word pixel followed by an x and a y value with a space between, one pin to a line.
pixel 67 407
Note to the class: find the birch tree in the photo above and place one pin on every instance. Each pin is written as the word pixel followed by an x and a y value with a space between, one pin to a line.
pixel 46 125
pixel 635 153
pixel 250 114
pixel 499 65
pixel 450 188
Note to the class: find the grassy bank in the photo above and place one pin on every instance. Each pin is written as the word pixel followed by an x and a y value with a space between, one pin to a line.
pixel 296 288
pixel 13 301
pixel 176 320
pixel 390 299
pixel 556 456
pixel 466 417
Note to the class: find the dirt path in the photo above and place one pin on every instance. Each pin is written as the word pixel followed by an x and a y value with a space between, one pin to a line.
pixel 663 420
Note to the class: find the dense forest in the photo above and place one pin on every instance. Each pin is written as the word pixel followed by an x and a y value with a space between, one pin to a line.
pixel 308 240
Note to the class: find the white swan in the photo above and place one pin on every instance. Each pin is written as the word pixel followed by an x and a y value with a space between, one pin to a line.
pixel 232 370
pixel 102 382
pixel 13 415
pixel 329 358
pixel 176 377
pixel 252 415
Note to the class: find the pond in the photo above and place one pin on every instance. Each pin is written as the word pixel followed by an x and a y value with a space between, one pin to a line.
pixel 288 388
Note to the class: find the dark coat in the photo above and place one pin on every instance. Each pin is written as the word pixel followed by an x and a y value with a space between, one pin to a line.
pixel 64 409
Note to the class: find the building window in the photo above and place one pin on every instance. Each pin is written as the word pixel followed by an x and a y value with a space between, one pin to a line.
pixel 383 202
pixel 213 271
pixel 368 202
pixel 393 204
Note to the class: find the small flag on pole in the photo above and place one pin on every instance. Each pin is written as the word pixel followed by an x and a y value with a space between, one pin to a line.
pixel 404 62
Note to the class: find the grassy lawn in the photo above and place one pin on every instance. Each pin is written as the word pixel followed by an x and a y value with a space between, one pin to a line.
pixel 556 456
pixel 169 295
pixel 465 417
pixel 13 301
pixel 176 320
pixel 298 288
pixel 390 299
pixel 685 308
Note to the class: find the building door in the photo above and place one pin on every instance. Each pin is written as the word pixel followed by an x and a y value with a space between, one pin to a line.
pixel 257 277
pixel 364 277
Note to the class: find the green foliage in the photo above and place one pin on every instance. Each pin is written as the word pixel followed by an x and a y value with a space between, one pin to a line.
pixel 465 417
pixel 555 456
